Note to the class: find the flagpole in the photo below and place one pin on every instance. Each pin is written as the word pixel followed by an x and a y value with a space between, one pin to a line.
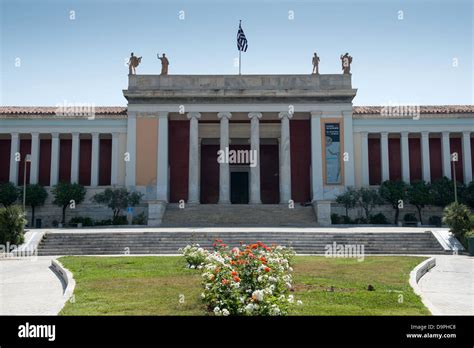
pixel 240 52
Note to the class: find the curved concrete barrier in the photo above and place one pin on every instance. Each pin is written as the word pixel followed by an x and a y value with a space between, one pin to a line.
pixel 415 276
pixel 66 277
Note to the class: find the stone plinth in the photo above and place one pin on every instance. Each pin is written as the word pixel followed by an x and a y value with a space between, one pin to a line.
pixel 156 210
pixel 322 210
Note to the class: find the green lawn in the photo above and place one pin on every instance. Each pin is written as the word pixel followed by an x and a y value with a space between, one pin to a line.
pixel 163 286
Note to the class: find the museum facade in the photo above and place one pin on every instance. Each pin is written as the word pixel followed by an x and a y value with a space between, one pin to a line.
pixel 236 139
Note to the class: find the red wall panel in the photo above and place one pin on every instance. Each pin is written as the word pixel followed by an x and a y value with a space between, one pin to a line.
pixel 85 157
pixel 269 174
pixel 394 159
pixel 436 164
pixel 105 161
pixel 375 164
pixel 178 145
pixel 300 149
pixel 65 152
pixel 25 149
pixel 456 146
pixel 5 146
pixel 44 162
pixel 209 174
pixel 414 147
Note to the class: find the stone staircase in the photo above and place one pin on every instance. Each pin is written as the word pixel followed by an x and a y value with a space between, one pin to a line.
pixel 231 215
pixel 114 243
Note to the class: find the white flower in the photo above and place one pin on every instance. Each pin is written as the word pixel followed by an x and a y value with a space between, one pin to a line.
pixel 258 295
pixel 299 302
pixel 291 299
pixel 225 312
pixel 217 311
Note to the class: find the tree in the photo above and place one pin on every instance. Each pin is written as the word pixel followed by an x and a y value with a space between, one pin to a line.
pixel 394 193
pixel 35 196
pixel 419 194
pixel 12 225
pixel 66 194
pixel 468 195
pixel 368 199
pixel 348 199
pixel 458 217
pixel 442 191
pixel 117 200
pixel 8 194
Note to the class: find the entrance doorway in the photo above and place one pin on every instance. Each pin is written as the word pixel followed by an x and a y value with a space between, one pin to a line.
pixel 239 187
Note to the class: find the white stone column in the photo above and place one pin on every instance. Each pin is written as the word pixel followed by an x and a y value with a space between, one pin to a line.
pixel 130 156
pixel 425 156
pixel 255 149
pixel 75 158
pixel 95 160
pixel 193 179
pixel 384 154
pixel 14 155
pixel 466 156
pixel 224 169
pixel 446 150
pixel 364 136
pixel 162 160
pixel 114 164
pixel 54 176
pixel 34 165
pixel 405 152
pixel 316 157
pixel 285 158
pixel 348 156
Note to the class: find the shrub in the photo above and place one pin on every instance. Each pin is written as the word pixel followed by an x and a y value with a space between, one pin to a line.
pixel 118 200
pixel 368 199
pixel 195 255
pixel 419 194
pixel 140 219
pixel 248 280
pixel 85 221
pixel 35 196
pixel 348 199
pixel 467 196
pixel 8 194
pixel 336 219
pixel 106 222
pixel 410 217
pixel 458 217
pixel 394 193
pixel 378 219
pixel 360 221
pixel 120 220
pixel 12 224
pixel 435 220
pixel 66 194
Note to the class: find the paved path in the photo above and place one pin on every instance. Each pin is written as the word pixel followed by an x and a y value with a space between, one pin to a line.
pixel 28 286
pixel 450 285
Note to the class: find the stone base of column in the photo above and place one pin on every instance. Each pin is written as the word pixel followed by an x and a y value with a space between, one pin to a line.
pixel 322 210
pixel 223 202
pixel 156 211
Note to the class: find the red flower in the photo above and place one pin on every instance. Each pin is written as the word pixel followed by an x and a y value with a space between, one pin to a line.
pixel 224 281
pixel 234 273
pixel 267 269
pixel 236 279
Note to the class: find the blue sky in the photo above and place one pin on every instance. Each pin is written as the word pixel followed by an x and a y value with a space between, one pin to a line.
pixel 82 60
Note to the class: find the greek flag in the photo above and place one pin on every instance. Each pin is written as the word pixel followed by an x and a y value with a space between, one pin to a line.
pixel 241 40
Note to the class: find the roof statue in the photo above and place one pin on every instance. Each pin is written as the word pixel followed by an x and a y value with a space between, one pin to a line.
pixel 133 62
pixel 316 64
pixel 164 63
pixel 346 61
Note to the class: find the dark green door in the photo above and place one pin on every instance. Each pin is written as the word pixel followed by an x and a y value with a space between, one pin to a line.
pixel 239 187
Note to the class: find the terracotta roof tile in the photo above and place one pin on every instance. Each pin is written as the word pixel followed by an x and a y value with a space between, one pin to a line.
pixel 47 110
pixel 424 109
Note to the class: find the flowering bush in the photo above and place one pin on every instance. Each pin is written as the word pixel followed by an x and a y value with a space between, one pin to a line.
pixel 248 280
pixel 195 255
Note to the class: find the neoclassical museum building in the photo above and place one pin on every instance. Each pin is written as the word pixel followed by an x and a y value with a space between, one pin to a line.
pixel 225 140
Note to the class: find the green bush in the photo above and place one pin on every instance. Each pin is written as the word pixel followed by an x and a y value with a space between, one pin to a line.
pixel 85 221
pixel 35 196
pixel 118 200
pixel 459 219
pixel 360 221
pixel 419 194
pixel 435 220
pixel 140 219
pixel 8 194
pixel 378 219
pixel 368 199
pixel 106 222
pixel 394 193
pixel 442 191
pixel 348 199
pixel 120 220
pixel 12 225
pixel 336 219
pixel 410 217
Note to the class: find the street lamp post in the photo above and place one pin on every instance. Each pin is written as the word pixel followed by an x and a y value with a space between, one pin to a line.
pixel 454 159
pixel 27 159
